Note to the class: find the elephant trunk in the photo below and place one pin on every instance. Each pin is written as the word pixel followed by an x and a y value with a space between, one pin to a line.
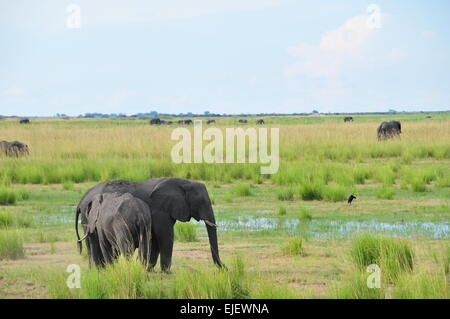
pixel 212 235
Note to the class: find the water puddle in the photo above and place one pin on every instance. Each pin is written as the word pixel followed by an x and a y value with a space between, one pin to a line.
pixel 323 228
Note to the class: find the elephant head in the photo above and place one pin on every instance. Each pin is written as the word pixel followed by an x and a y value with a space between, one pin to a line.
pixel 89 218
pixel 183 200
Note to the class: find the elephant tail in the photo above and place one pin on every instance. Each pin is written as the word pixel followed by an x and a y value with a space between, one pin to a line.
pixel 145 238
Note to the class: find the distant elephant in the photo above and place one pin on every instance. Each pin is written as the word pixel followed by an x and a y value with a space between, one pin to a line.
pixel 116 224
pixel 24 121
pixel 170 200
pixel 14 148
pixel 259 121
pixel 348 119
pixel 155 121
pixel 210 121
pixel 243 121
pixel 389 130
pixel 188 122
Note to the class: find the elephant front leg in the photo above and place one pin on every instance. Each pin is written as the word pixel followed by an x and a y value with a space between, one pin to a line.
pixel 154 253
pixel 165 242
pixel 166 248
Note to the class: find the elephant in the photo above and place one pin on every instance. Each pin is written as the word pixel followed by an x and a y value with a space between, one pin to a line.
pixel 388 130
pixel 155 121
pixel 348 119
pixel 243 121
pixel 170 200
pixel 188 122
pixel 14 148
pixel 116 224
pixel 260 121
pixel 24 121
pixel 210 121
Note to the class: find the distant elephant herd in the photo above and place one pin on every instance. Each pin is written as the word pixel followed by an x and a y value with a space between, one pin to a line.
pixel 158 121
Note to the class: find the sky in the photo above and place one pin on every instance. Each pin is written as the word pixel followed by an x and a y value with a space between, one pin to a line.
pixel 223 56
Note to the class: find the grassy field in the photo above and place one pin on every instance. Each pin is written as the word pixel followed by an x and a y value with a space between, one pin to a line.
pixel 287 235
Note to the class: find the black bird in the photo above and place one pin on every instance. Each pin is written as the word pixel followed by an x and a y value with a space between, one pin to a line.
pixel 351 198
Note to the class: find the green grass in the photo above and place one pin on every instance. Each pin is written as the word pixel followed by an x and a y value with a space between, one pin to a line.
pixel 385 192
pixel 10 220
pixel 305 214
pixel 281 210
pixel 394 256
pixel 127 279
pixel 334 193
pixel 293 247
pixel 356 287
pixel 309 191
pixel 418 186
pixel 285 194
pixel 425 285
pixel 185 232
pixel 11 244
pixel 241 189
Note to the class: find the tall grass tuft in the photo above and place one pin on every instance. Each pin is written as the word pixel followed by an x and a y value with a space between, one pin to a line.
pixel 310 191
pixel 281 210
pixel 185 232
pixel 11 245
pixel 425 285
pixel 285 194
pixel 393 256
pixel 242 189
pixel 305 214
pixel 385 192
pixel 293 247
pixel 9 220
pixel 8 196
pixel 208 283
pixel 334 193
pixel 356 288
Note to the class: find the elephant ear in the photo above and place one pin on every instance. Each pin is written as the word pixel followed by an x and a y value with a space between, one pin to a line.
pixel 93 212
pixel 170 196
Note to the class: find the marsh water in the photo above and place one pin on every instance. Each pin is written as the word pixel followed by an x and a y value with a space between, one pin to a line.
pixel 326 228
pixel 315 228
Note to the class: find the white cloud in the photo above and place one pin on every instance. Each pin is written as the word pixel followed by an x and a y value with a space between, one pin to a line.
pixel 396 53
pixel 16 92
pixel 337 49
pixel 120 96
pixel 427 34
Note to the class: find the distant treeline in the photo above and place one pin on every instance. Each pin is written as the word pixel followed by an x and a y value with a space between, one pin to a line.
pixel 208 114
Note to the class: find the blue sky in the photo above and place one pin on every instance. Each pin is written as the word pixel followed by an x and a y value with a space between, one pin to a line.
pixel 224 56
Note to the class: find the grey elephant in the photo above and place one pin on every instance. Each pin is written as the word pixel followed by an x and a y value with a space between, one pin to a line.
pixel 243 121
pixel 261 121
pixel 389 130
pixel 116 224
pixel 169 200
pixel 348 119
pixel 14 148
pixel 155 121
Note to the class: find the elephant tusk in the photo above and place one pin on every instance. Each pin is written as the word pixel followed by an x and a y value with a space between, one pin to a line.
pixel 80 240
pixel 207 222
